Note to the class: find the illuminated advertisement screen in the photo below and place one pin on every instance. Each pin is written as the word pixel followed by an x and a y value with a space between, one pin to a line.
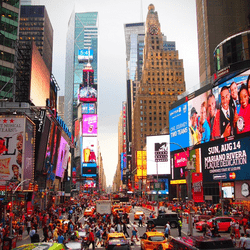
pixel 221 112
pixel 227 161
pixel 40 79
pixel 29 153
pixel 89 169
pixel 89 150
pixel 84 55
pixel 88 77
pixel 62 159
pixel 12 135
pixel 89 124
pixel 164 186
pixel 88 108
pixel 88 94
pixel 158 146
pixel 89 183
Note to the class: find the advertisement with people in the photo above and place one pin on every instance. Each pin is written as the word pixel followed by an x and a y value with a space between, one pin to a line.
pixel 12 130
pixel 89 149
pixel 88 94
pixel 219 113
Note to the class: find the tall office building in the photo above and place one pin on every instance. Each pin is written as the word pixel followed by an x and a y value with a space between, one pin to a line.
pixel 8 36
pixel 217 20
pixel 35 26
pixel 162 81
pixel 82 34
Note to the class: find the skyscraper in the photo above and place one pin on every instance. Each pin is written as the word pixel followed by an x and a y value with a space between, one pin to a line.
pixel 82 34
pixel 8 36
pixel 35 26
pixel 217 20
pixel 162 81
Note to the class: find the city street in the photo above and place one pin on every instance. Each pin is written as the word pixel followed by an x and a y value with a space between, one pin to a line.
pixel 141 230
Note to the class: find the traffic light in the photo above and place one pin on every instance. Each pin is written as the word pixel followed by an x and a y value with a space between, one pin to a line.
pixel 30 186
pixel 36 188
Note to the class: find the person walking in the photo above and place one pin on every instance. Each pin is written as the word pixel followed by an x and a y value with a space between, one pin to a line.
pixel 167 230
pixel 45 234
pixel 179 226
pixel 91 239
pixel 124 229
pixel 246 242
pixel 134 233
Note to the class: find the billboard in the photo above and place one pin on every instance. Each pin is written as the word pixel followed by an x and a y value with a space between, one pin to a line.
pixel 221 112
pixel 40 79
pixel 89 150
pixel 88 94
pixel 13 141
pixel 197 187
pixel 141 164
pixel 89 124
pixel 88 108
pixel 84 55
pixel 163 186
pixel 89 169
pixel 88 77
pixel 62 159
pixel 227 161
pixel 158 155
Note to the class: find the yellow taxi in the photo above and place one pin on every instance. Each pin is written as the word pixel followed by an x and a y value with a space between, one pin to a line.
pixel 88 211
pixel 118 211
pixel 116 206
pixel 138 214
pixel 154 240
pixel 112 236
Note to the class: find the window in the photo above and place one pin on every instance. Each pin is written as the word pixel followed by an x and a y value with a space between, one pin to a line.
pixel 154 118
pixel 150 124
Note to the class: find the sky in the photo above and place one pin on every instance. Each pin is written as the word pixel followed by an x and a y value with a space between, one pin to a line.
pixel 178 23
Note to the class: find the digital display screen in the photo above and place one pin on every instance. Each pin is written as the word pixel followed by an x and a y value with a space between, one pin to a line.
pixel 228 192
pixel 89 124
pixel 88 94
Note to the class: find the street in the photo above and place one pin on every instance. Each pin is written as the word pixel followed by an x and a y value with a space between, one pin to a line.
pixel 141 230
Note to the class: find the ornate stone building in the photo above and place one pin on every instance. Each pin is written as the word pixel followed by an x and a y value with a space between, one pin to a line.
pixel 162 81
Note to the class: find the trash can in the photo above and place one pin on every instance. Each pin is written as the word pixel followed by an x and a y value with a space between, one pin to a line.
pixel 9 242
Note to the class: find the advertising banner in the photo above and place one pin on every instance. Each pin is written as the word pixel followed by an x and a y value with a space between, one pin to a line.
pixel 139 164
pixel 88 108
pixel 163 186
pixel 180 159
pixel 227 161
pixel 89 149
pixel 89 169
pixel 158 149
pixel 29 153
pixel 84 55
pixel 63 153
pixel 12 131
pixel 88 94
pixel 77 129
pixel 223 111
pixel 197 187
pixel 89 124
pixel 178 127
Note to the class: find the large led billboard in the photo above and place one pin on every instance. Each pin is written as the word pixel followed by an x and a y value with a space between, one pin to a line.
pixel 85 55
pixel 141 160
pixel 40 79
pixel 88 77
pixel 62 159
pixel 89 149
pixel 223 111
pixel 158 155
pixel 88 94
pixel 89 124
pixel 14 142
pixel 88 108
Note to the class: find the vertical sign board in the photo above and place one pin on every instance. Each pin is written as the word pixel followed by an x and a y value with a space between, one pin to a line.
pixel 197 181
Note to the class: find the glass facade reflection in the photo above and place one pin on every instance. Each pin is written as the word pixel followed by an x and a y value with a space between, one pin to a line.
pixel 82 34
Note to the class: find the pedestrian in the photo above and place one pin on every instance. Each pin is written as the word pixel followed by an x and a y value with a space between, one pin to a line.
pixel 140 221
pixel 45 233
pixel 134 233
pixel 91 239
pixel 179 226
pixel 204 228
pixel 237 229
pixel 167 230
pixel 246 243
pixel 99 234
pixel 242 238
pixel 32 232
pixel 124 229
pixel 28 225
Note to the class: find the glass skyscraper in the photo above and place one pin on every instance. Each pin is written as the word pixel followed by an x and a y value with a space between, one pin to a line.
pixel 82 34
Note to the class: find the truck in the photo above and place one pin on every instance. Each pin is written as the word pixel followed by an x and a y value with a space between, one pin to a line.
pixel 103 206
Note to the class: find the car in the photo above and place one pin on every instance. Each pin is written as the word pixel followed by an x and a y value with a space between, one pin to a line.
pixel 162 220
pixel 116 236
pixel 138 214
pixel 222 222
pixel 199 225
pixel 73 245
pixel 199 242
pixel 118 244
pixel 118 211
pixel 88 212
pixel 154 240
pixel 41 245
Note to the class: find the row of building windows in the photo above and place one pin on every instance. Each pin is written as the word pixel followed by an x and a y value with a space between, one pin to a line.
pixel 31 28
pixel 28 33
pixel 6 56
pixel 31 38
pixel 6 71
pixel 150 113
pixel 32 19
pixel 8 28
pixel 9 14
pixel 7 42
pixel 158 73
pixel 31 24
pixel 166 63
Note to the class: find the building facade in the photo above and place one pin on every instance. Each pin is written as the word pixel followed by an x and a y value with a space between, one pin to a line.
pixel 82 34
pixel 217 20
pixel 8 36
pixel 35 26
